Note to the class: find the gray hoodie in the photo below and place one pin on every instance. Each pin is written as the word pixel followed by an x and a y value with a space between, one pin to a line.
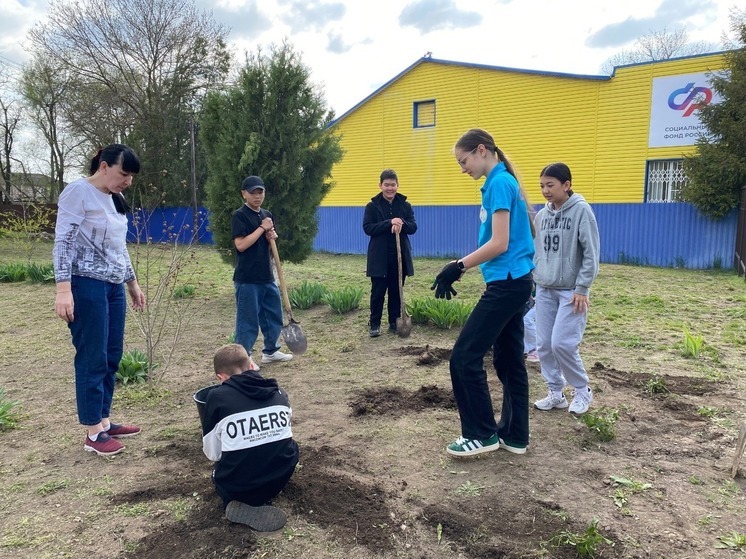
pixel 567 246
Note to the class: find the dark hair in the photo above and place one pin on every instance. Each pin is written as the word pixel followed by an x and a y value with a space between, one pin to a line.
pixel 388 174
pixel 117 154
pixel 558 171
pixel 475 137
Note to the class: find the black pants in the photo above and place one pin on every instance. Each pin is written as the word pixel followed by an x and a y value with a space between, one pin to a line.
pixel 378 289
pixel 497 322
pixel 255 498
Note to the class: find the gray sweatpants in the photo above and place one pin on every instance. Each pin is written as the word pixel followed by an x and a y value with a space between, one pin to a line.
pixel 558 334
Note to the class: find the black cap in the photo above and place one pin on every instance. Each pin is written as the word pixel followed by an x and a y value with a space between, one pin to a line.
pixel 252 183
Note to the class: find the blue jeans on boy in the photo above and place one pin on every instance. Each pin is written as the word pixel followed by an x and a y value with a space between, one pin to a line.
pixel 497 322
pixel 98 337
pixel 258 305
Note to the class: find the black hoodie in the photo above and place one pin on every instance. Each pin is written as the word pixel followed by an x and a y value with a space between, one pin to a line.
pixel 247 432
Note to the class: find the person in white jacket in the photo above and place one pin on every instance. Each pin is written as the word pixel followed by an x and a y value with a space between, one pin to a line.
pixel 566 258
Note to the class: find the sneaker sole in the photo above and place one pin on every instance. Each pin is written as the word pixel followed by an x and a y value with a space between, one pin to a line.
pixel 513 449
pixel 112 453
pixel 482 450
pixel 125 435
pixel 561 406
pixel 262 519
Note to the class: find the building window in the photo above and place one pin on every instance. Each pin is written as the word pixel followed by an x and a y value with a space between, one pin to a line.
pixel 666 178
pixel 424 114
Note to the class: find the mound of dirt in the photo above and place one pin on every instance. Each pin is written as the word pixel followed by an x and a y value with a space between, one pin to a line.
pixel 392 400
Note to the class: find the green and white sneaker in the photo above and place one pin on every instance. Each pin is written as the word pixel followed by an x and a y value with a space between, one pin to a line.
pixel 469 447
pixel 510 446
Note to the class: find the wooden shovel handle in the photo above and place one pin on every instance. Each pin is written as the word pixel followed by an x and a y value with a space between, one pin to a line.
pixel 401 274
pixel 283 288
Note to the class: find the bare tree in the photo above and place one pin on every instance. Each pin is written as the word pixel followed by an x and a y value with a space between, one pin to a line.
pixel 658 45
pixel 46 88
pixel 141 67
pixel 10 117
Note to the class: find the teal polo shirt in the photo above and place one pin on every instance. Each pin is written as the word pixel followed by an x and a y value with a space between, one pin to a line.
pixel 502 192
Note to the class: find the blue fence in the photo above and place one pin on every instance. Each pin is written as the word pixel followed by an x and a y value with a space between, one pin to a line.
pixel 167 225
pixel 650 234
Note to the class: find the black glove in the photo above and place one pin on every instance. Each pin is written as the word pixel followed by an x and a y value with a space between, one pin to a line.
pixel 443 284
pixel 443 290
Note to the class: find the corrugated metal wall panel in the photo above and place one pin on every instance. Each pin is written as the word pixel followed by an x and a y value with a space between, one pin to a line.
pixel 650 234
pixel 442 231
pixel 664 235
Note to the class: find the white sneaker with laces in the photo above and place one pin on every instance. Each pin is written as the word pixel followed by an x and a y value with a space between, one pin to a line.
pixel 551 401
pixel 252 364
pixel 276 356
pixel 581 401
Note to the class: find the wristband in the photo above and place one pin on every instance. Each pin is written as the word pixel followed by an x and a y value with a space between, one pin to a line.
pixel 461 265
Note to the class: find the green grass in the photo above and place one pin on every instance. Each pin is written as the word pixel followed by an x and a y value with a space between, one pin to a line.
pixel 601 422
pixel 586 543
pixel 8 412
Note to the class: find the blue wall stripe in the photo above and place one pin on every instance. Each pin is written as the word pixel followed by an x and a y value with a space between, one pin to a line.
pixel 664 235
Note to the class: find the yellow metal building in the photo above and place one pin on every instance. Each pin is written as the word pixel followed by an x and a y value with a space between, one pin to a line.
pixel 598 125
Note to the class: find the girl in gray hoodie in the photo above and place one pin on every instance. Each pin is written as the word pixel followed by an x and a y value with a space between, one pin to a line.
pixel 566 259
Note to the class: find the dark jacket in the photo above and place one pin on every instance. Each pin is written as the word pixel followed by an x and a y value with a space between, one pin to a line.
pixel 382 244
pixel 247 431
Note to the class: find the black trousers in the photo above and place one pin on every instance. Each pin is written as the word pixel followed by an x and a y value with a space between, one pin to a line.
pixel 497 322
pixel 255 498
pixel 378 289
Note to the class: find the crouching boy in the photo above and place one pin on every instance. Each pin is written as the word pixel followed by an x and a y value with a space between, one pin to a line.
pixel 247 432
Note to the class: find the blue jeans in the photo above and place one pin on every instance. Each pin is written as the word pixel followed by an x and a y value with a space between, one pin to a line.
pixel 497 322
pixel 258 305
pixel 98 338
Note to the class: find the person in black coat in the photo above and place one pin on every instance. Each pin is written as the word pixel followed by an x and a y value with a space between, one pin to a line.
pixel 386 215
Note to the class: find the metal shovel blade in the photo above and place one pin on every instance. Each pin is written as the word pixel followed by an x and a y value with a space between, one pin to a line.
pixel 404 326
pixel 294 338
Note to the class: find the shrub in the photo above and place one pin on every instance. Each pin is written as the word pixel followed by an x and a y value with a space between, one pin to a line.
pixel 418 310
pixel 8 417
pixel 133 368
pixel 307 295
pixel 344 300
pixel 13 272
pixel 40 273
pixel 440 312
pixel 184 291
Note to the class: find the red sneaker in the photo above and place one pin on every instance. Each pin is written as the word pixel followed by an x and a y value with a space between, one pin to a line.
pixel 104 445
pixel 119 431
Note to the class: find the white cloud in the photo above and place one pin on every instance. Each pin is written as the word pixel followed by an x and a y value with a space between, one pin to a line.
pixel 354 46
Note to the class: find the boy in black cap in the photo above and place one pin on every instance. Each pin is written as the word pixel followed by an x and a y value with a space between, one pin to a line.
pixel 257 296
pixel 247 431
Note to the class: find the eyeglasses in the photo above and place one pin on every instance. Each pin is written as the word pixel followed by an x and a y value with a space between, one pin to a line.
pixel 465 157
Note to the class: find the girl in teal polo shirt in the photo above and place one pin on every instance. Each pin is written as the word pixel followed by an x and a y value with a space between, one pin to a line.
pixel 505 256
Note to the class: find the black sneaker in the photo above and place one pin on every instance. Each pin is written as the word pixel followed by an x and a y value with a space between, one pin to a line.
pixel 262 519
pixel 375 331
pixel 392 328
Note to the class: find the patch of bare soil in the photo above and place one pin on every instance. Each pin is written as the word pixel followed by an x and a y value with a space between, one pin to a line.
pixel 372 419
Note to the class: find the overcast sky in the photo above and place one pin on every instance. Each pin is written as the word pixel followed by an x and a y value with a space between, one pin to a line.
pixel 354 46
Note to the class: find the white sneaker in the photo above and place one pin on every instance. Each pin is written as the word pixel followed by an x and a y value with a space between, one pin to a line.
pixel 581 401
pixel 276 356
pixel 551 401
pixel 252 364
